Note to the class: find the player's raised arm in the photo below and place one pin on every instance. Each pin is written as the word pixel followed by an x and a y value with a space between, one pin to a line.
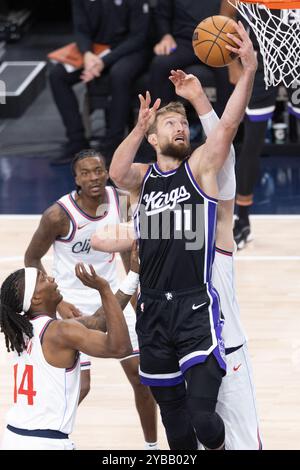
pixel 214 152
pixel 189 87
pixel 116 343
pixel 125 173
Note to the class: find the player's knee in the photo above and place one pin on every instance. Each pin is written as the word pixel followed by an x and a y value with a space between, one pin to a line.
pixel 140 389
pixel 143 397
pixel 142 393
pixel 209 428
pixel 177 423
pixel 132 373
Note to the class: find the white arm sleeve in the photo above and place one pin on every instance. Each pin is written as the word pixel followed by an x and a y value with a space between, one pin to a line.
pixel 226 176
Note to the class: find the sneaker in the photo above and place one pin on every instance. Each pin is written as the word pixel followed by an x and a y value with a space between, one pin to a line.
pixel 241 233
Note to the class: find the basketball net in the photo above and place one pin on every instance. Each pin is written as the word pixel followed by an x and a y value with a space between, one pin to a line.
pixel 278 35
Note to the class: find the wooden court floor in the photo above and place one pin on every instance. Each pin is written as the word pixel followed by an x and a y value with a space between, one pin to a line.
pixel 268 285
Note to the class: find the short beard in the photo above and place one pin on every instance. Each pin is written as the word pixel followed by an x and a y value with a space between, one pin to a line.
pixel 179 152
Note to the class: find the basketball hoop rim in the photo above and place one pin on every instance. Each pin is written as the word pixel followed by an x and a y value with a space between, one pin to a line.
pixel 275 23
pixel 275 4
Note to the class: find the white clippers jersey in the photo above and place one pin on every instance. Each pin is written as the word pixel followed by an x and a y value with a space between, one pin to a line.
pixel 76 247
pixel 223 280
pixel 45 397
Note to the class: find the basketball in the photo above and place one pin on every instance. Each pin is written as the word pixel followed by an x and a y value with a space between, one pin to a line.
pixel 210 38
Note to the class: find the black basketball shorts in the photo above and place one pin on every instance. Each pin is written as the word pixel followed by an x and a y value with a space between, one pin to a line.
pixel 177 330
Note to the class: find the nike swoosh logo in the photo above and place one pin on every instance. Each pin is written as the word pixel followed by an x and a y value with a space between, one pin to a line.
pixel 154 176
pixel 81 226
pixel 235 368
pixel 194 307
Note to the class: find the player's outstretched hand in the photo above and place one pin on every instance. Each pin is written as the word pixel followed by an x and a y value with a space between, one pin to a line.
pixel 147 113
pixel 244 47
pixel 91 279
pixel 186 85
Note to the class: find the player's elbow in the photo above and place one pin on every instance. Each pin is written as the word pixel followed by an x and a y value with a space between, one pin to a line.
pixel 121 350
pixel 118 344
pixel 124 352
pixel 114 173
pixel 29 260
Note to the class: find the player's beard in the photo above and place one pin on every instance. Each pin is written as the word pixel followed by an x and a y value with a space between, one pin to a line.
pixel 180 152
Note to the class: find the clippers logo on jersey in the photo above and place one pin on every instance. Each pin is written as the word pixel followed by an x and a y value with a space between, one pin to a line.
pixel 157 202
pixel 76 246
pixel 82 247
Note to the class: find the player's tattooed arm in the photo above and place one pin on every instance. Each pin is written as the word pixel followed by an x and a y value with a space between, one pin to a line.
pixel 97 320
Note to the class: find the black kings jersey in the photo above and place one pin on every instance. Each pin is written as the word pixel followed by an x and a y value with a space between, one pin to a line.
pixel 175 223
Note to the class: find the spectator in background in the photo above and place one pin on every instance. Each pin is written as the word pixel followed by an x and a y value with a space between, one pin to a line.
pixel 176 21
pixel 123 25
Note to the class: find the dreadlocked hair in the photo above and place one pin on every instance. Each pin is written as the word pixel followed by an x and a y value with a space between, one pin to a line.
pixel 86 153
pixel 14 326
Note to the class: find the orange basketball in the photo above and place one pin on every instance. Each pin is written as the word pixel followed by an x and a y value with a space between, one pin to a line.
pixel 210 38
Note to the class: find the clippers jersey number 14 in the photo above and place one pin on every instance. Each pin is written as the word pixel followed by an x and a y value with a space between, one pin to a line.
pixel 26 385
